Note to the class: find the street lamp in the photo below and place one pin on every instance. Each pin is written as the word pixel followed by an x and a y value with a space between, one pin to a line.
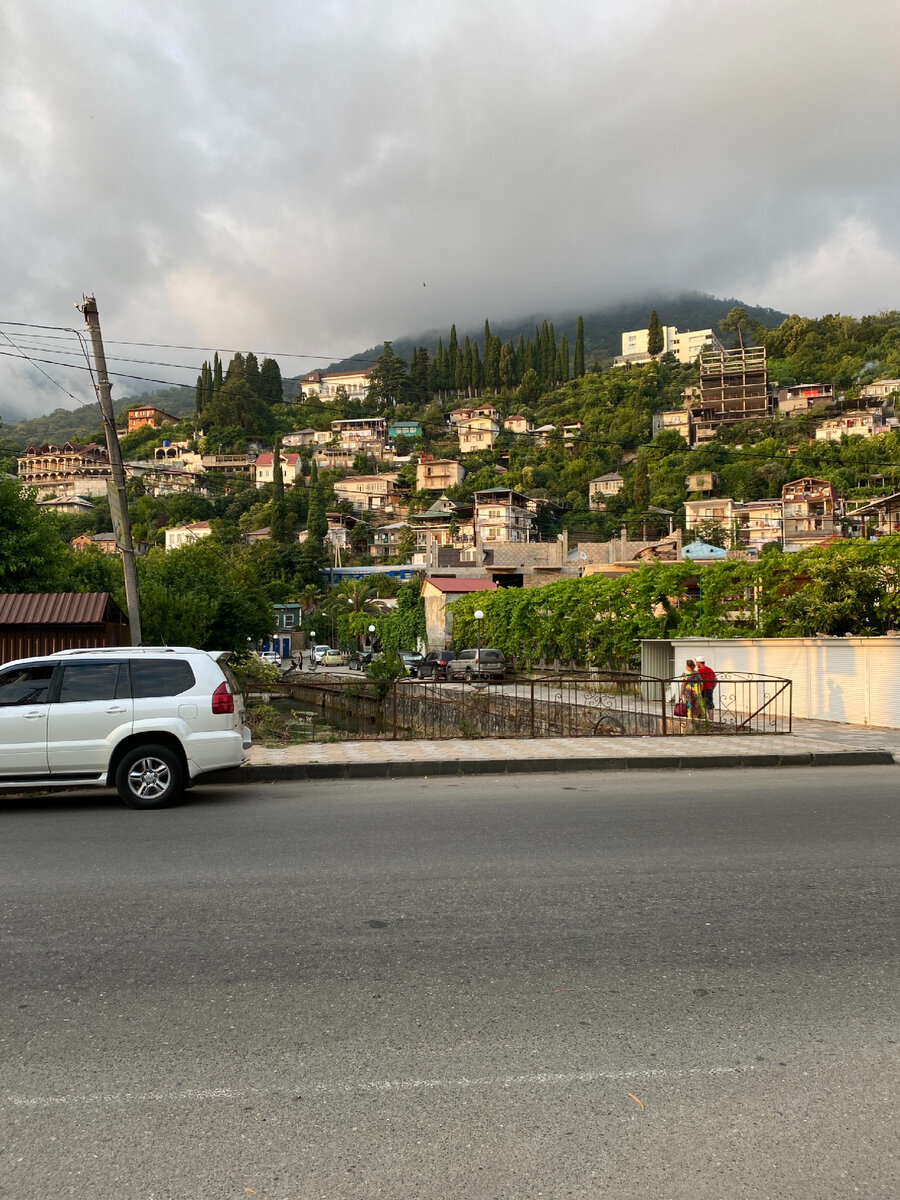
pixel 479 617
pixel 371 631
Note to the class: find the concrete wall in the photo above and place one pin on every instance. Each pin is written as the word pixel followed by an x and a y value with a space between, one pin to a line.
pixel 852 680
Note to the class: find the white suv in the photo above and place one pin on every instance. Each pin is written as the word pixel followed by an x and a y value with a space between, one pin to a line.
pixel 148 720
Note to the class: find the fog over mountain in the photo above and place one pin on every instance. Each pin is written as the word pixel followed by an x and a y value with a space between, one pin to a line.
pixel 306 180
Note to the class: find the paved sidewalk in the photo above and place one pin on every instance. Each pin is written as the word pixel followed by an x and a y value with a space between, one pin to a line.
pixel 841 746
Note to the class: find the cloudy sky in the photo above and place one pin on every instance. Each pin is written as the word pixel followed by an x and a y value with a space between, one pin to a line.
pixel 285 175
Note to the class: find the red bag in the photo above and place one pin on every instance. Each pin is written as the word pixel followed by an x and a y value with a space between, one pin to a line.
pixel 680 709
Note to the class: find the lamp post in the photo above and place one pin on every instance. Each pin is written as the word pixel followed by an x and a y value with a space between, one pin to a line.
pixel 479 617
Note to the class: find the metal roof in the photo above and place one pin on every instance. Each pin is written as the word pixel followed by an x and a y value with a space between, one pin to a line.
pixel 60 608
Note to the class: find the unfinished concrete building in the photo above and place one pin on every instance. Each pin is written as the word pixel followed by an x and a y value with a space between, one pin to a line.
pixel 733 387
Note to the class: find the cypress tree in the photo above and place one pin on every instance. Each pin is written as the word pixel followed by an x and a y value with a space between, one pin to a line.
pixel 453 352
pixel 271 385
pixel 251 372
pixel 654 334
pixel 316 521
pixel 562 360
pixel 507 367
pixel 579 349
pixel 519 363
pixel 217 373
pixel 235 368
pixel 468 376
pixel 477 370
pixel 278 527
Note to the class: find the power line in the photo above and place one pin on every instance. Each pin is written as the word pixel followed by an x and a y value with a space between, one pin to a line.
pixel 208 349
pixel 76 367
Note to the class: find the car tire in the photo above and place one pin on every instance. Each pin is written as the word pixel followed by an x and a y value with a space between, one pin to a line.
pixel 150 776
pixel 469 675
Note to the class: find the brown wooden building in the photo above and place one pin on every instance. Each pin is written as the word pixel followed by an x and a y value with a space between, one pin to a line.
pixel 39 623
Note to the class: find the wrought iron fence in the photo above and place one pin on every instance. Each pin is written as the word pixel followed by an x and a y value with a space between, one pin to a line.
pixel 594 704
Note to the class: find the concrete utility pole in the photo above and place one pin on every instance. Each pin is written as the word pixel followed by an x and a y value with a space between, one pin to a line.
pixel 118 500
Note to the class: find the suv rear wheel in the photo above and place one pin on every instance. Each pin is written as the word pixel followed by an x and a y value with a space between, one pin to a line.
pixel 150 777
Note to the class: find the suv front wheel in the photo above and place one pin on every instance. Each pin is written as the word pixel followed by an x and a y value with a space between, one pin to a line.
pixel 150 777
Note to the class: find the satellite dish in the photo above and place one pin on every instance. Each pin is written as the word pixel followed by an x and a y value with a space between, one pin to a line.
pixel 583 556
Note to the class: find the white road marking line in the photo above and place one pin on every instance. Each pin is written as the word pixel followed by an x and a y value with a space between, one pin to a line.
pixel 544 1079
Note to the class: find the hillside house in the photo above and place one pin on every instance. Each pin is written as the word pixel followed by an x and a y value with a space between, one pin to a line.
pixel 676 420
pixel 881 390
pixel 291 468
pixel 325 384
pixel 801 397
pixel 186 535
pixel 503 515
pixel 387 540
pixel 369 493
pixel 517 424
pixel 66 470
pixel 139 417
pixel 407 429
pixel 601 488
pixel 701 483
pixel 437 474
pixel 853 424
pixel 360 431
pixel 478 433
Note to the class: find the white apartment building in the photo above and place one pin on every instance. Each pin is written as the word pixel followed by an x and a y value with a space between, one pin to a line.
pixel 325 384
pixel 686 346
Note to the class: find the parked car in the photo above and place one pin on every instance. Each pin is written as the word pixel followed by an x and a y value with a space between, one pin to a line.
pixel 269 656
pixel 434 665
pixel 333 658
pixel 412 662
pixel 149 720
pixel 319 652
pixel 360 659
pixel 477 664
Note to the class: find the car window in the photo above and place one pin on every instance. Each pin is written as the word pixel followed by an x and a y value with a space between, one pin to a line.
pixel 86 681
pixel 25 685
pixel 160 677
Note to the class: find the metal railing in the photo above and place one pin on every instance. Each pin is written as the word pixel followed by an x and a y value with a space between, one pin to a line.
pixel 594 704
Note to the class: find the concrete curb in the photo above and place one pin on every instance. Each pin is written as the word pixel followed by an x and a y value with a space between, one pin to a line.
pixel 275 773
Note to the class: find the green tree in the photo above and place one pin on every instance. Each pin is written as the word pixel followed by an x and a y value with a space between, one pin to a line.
pixel 237 407
pixel 31 552
pixel 278 524
pixel 316 521
pixel 641 484
pixel 654 334
pixel 579 349
pixel 271 385
pixel 389 381
pixel 736 321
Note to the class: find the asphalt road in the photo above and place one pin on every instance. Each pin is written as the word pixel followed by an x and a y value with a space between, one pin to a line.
pixel 664 986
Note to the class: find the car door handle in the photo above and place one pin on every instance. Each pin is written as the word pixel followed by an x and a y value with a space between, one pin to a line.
pixel 34 715
pixel 117 708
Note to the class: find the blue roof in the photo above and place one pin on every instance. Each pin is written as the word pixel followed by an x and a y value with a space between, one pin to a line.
pixel 702 550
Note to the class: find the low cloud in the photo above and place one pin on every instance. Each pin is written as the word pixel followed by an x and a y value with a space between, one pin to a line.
pixel 288 177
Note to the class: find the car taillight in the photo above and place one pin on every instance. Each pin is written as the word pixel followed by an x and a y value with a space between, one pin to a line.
pixel 222 700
